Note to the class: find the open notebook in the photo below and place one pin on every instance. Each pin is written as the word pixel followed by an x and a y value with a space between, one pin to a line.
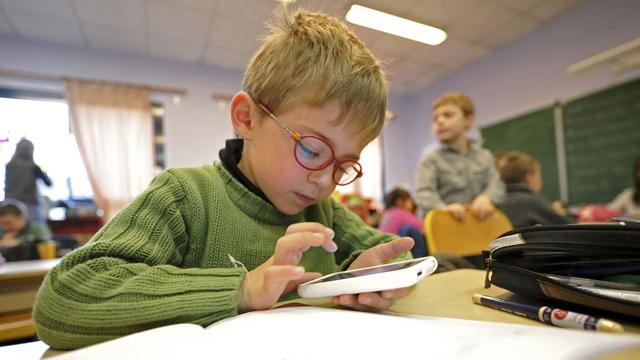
pixel 322 333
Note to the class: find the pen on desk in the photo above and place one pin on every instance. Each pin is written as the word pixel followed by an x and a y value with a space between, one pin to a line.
pixel 551 316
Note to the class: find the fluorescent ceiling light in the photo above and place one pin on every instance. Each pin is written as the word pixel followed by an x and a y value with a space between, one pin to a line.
pixel 395 25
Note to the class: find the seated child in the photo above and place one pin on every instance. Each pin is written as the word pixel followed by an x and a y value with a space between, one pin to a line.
pixel 524 205
pixel 460 173
pixel 628 201
pixel 399 218
pixel 203 244
pixel 18 235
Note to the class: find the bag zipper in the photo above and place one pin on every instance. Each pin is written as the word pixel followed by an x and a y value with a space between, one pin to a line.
pixel 550 281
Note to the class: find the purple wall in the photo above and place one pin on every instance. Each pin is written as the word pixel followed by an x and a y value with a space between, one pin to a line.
pixel 522 76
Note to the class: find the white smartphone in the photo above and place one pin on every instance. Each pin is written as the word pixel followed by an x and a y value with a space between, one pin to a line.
pixel 375 278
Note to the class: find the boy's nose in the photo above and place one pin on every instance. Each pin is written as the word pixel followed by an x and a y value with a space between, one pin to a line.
pixel 323 178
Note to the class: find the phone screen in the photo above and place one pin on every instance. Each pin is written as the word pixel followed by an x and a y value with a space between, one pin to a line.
pixel 375 270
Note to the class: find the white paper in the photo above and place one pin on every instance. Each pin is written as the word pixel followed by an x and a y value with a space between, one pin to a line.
pixel 318 333
pixel 310 333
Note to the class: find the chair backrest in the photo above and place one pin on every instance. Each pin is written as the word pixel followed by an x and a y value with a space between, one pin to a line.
pixel 463 238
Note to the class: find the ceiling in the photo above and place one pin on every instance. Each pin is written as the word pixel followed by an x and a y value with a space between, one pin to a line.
pixel 225 33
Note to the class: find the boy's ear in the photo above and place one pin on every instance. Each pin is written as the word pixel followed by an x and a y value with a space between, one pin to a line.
pixel 242 105
pixel 470 119
pixel 528 179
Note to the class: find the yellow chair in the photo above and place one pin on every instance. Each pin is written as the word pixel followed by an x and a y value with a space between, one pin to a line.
pixel 463 238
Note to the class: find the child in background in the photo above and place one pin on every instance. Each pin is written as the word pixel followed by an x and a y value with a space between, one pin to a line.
pixel 628 201
pixel 524 206
pixel 460 173
pixel 18 235
pixel 399 218
pixel 203 244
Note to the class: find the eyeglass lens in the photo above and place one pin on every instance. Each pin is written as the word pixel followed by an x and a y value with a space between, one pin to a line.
pixel 314 154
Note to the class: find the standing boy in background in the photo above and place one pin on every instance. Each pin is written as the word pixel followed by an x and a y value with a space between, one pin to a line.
pixel 203 244
pixel 460 173
pixel 524 206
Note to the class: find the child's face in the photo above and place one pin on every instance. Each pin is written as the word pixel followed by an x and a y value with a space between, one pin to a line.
pixel 534 179
pixel 405 204
pixel 12 223
pixel 268 159
pixel 449 123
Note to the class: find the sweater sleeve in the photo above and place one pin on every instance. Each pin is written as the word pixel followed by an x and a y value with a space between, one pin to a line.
pixel 353 236
pixel 427 195
pixel 621 201
pixel 495 189
pixel 545 215
pixel 39 231
pixel 39 174
pixel 129 278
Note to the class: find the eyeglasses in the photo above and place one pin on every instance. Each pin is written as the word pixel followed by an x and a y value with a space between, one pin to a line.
pixel 315 154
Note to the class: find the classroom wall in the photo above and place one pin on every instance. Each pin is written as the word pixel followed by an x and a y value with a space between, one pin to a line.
pixel 195 129
pixel 519 77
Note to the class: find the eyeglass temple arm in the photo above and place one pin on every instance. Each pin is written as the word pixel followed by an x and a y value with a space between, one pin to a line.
pixel 294 135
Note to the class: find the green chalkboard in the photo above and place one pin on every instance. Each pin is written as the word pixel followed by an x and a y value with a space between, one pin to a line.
pixel 534 134
pixel 602 137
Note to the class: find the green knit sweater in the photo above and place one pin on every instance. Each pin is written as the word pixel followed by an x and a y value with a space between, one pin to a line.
pixel 165 258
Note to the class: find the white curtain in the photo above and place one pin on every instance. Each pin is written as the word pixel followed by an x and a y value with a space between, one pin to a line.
pixel 113 127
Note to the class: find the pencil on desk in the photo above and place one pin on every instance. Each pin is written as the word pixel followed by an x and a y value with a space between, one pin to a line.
pixel 548 315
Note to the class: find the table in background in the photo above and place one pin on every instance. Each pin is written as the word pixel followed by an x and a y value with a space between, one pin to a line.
pixel 19 283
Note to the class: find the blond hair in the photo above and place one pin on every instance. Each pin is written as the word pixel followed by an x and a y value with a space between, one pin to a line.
pixel 458 99
pixel 515 165
pixel 315 58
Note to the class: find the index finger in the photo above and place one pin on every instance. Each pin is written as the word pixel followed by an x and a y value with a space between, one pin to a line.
pixel 380 254
pixel 310 227
pixel 289 248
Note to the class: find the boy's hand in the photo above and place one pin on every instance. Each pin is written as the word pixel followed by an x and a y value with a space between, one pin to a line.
pixel 279 275
pixel 10 235
pixel 559 208
pixel 9 242
pixel 482 207
pixel 457 210
pixel 377 255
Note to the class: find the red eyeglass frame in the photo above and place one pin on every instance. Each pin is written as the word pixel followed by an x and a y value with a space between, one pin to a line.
pixel 295 136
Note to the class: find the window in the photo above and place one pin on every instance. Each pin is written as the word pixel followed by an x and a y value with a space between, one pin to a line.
pixel 157 114
pixel 370 184
pixel 46 124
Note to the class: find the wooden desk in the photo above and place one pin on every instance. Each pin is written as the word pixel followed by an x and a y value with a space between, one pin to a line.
pixel 446 295
pixel 19 283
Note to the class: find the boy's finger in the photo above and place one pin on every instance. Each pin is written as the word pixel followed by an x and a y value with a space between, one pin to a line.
pixel 276 277
pixel 396 293
pixel 301 241
pixel 293 285
pixel 310 227
pixel 364 302
pixel 392 249
pixel 314 227
pixel 374 300
pixel 380 254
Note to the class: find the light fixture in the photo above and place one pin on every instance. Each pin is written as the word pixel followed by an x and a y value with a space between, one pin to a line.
pixel 395 25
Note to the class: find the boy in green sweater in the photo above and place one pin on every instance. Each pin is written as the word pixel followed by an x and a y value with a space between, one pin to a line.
pixel 203 244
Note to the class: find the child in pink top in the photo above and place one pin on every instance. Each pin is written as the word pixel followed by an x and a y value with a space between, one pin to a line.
pixel 399 210
pixel 399 218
